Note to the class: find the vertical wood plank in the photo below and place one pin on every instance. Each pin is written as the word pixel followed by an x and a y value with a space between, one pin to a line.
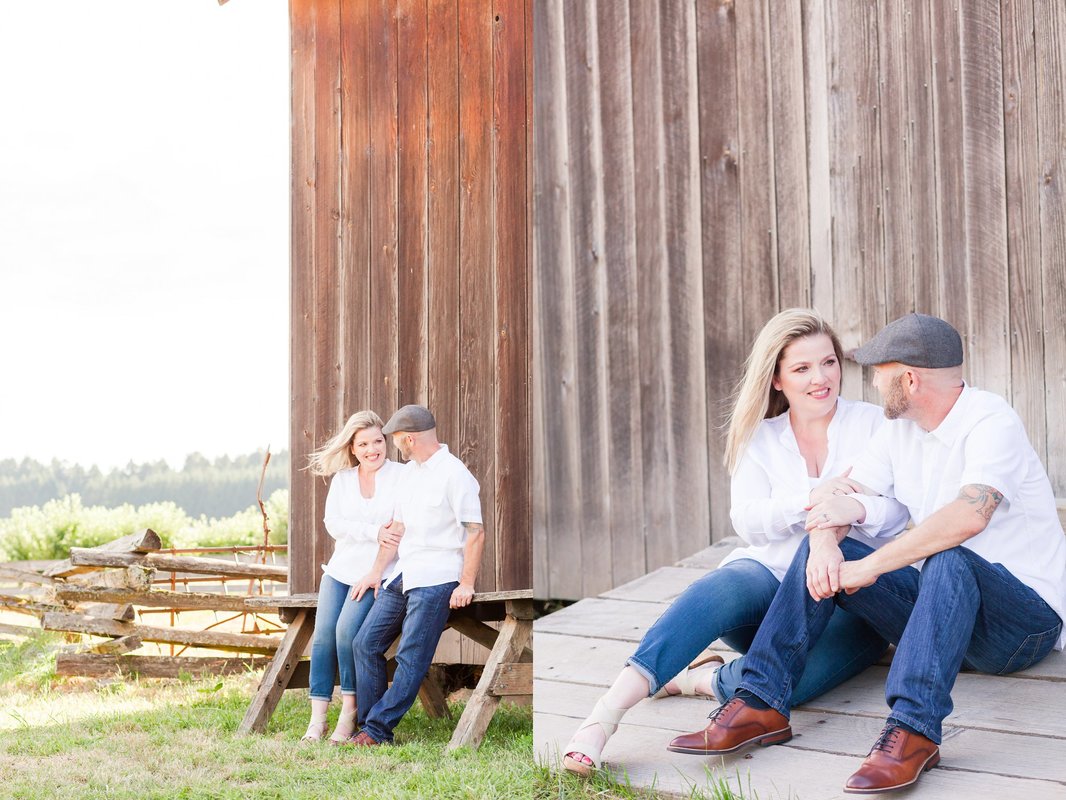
pixel 790 153
pixel 384 319
pixel 586 244
pixel 1023 176
pixel 553 284
pixel 758 256
pixel 722 241
pixel 327 381
pixel 412 201
pixel 302 522
pixel 476 259
pixel 950 168
pixel 660 529
pixel 986 212
pixel 620 264
pixel 1051 102
pixel 355 209
pixel 512 276
pixel 684 291
pixel 855 159
pixel 443 225
pixel 816 94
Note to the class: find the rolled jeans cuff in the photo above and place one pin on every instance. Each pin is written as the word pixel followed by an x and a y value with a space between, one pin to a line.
pixel 654 684
pixel 924 729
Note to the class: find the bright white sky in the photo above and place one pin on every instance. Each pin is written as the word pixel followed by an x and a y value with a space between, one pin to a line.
pixel 144 162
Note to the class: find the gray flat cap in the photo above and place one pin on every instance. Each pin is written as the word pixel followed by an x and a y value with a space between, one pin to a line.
pixel 916 340
pixel 410 419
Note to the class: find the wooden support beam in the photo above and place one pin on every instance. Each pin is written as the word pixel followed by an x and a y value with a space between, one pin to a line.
pixel 144 541
pixel 214 640
pixel 158 598
pixel 17 630
pixel 93 557
pixel 512 680
pixel 102 666
pixel 431 693
pixel 514 636
pixel 278 673
pixel 483 634
pixel 10 572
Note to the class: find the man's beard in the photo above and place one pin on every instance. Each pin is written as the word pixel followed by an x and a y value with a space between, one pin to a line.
pixel 896 401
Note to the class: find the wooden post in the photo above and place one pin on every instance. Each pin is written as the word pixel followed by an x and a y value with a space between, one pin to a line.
pixel 278 674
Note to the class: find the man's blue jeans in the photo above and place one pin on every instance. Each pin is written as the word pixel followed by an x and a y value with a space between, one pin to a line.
pixel 337 620
pixel 959 611
pixel 418 617
pixel 729 604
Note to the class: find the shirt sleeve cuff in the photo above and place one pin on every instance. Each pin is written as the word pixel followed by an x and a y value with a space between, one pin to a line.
pixel 875 512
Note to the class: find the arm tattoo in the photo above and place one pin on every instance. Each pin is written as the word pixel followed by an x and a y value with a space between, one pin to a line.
pixel 985 499
pixel 473 527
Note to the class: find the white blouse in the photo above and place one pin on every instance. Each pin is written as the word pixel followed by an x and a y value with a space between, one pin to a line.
pixel 353 521
pixel 771 488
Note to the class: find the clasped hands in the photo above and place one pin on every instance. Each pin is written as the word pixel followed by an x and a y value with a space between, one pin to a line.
pixel 829 516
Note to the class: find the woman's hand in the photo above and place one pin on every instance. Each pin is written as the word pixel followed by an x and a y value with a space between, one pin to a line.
pixel 824 563
pixel 390 533
pixel 366 583
pixel 835 512
pixel 834 487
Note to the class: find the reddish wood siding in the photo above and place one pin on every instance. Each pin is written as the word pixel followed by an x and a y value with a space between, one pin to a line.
pixel 410 264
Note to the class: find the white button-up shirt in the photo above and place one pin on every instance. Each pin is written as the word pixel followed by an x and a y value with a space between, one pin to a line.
pixel 771 488
pixel 981 441
pixel 434 499
pixel 353 520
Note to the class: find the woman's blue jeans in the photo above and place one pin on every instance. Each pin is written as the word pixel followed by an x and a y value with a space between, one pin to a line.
pixel 960 610
pixel 730 604
pixel 337 621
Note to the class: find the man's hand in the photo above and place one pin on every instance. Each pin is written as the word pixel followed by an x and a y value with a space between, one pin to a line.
pixel 855 575
pixel 390 533
pixel 834 487
pixel 824 563
pixel 365 584
pixel 462 596
pixel 835 512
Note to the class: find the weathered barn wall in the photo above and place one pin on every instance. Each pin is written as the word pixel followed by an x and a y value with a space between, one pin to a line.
pixel 410 254
pixel 701 165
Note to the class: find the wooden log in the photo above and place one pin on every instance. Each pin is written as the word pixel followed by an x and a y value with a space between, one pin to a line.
pixel 159 598
pixel 514 636
pixel 214 640
pixel 278 674
pixel 14 602
pixel 93 557
pixel 18 630
pixel 144 541
pixel 114 647
pixel 95 665
pixel 11 572
pixel 135 576
pixel 512 680
pixel 123 612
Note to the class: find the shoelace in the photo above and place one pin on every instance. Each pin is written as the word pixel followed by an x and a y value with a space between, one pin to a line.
pixel 887 739
pixel 714 715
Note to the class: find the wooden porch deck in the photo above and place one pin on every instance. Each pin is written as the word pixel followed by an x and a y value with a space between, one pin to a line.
pixel 1005 739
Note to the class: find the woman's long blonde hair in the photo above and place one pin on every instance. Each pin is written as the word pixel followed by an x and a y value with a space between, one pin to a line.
pixel 756 398
pixel 336 454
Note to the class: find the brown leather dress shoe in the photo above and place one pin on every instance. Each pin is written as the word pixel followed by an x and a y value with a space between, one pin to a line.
pixel 897 759
pixel 733 726
pixel 362 739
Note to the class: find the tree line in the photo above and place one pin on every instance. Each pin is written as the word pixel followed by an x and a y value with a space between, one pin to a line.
pixel 217 488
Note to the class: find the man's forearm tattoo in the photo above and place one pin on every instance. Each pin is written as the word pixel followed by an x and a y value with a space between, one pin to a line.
pixel 473 526
pixel 985 499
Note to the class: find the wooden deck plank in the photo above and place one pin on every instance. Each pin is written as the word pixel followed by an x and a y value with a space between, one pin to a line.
pixel 606 619
pixel 773 772
pixel 662 585
pixel 994 752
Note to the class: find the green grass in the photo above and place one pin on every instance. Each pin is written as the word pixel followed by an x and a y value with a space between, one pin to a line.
pixel 80 738
pixel 557 784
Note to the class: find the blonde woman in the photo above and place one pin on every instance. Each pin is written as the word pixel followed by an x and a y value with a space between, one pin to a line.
pixel 789 433
pixel 360 502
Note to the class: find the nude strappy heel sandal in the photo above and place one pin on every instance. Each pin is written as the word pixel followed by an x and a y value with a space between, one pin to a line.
pixel 316 729
pixel 345 728
pixel 687 679
pixel 608 719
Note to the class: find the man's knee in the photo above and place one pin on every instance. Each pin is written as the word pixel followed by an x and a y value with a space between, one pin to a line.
pixel 363 647
pixel 951 563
